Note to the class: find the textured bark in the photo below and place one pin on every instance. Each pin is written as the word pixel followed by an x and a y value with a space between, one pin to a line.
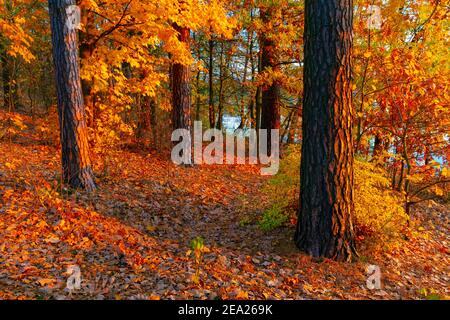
pixel 270 112
pixel 181 88
pixel 325 224
pixel 76 165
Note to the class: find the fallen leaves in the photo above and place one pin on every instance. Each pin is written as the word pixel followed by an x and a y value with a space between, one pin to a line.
pixel 131 243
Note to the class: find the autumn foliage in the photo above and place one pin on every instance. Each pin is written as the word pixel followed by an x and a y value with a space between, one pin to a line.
pixel 155 230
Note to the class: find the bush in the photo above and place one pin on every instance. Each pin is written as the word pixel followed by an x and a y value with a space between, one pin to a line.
pixel 283 190
pixel 273 218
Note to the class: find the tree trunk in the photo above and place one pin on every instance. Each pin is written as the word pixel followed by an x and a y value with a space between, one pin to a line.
pixel 86 51
pixel 258 97
pixel 270 113
pixel 76 164
pixel 212 115
pixel 197 83
pixel 325 221
pixel 222 70
pixel 181 88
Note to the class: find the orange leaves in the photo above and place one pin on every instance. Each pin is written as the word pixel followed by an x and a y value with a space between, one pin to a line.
pixel 13 28
pixel 241 295
pixel 45 282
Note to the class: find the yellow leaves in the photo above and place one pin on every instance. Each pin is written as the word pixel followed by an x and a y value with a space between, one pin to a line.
pixel 242 295
pixel 438 191
pixel 308 288
pixel 52 240
pixel 10 166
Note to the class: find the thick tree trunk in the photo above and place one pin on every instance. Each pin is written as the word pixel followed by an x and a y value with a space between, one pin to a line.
pixel 325 223
pixel 181 88
pixel 76 164
pixel 270 113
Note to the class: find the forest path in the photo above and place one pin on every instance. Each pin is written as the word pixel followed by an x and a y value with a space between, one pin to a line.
pixel 131 237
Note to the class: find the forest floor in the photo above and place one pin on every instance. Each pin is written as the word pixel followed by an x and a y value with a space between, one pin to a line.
pixel 131 238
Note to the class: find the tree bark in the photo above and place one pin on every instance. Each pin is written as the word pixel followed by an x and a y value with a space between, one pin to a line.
pixel 221 88
pixel 270 112
pixel 181 88
pixel 76 164
pixel 325 221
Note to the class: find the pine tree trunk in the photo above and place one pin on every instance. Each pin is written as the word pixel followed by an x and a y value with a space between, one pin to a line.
pixel 270 112
pixel 325 224
pixel 76 164
pixel 181 89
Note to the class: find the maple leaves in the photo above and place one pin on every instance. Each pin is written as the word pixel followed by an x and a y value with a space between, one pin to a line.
pixel 13 28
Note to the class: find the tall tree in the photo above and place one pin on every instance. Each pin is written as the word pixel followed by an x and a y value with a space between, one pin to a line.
pixel 270 112
pixel 181 88
pixel 76 164
pixel 325 221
